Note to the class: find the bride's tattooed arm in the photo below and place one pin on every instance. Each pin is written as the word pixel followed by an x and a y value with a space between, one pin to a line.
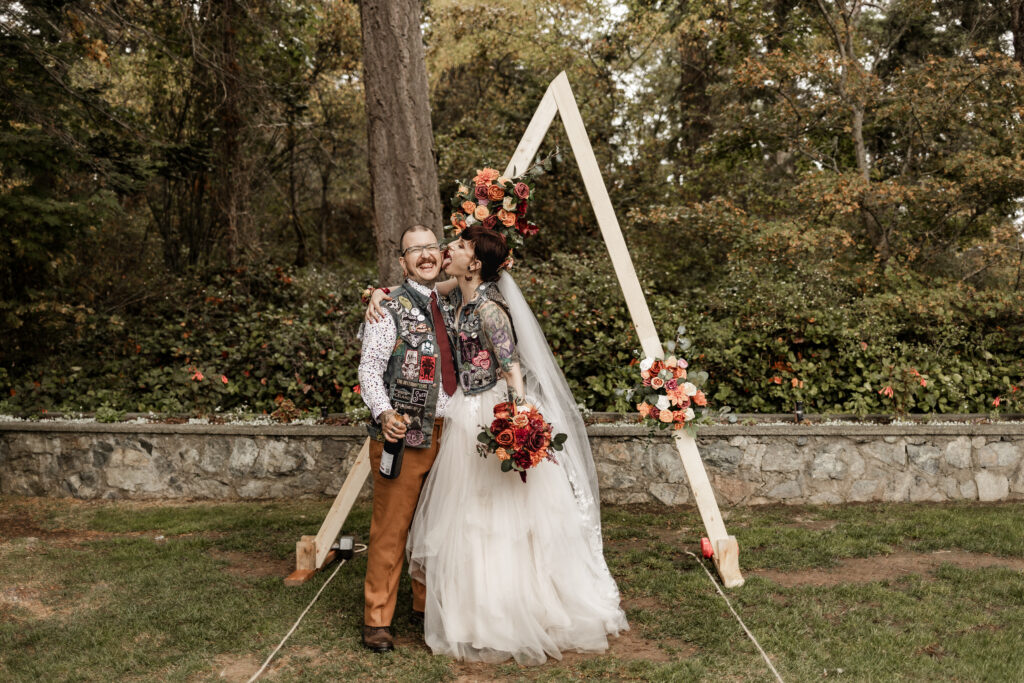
pixel 497 330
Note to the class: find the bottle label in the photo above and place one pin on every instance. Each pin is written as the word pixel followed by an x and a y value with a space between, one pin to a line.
pixel 386 461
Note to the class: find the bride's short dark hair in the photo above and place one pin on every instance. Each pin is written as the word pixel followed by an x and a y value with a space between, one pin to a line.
pixel 490 249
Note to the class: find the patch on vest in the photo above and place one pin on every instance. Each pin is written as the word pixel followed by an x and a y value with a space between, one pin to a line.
pixel 427 365
pixel 410 365
pixel 406 304
pixel 408 395
pixel 414 438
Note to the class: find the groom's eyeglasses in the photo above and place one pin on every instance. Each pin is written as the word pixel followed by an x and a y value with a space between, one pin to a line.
pixel 414 252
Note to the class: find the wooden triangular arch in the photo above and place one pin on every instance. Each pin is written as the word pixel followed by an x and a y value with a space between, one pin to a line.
pixel 312 552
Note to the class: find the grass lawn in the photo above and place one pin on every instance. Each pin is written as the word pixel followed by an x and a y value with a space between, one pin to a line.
pixel 104 591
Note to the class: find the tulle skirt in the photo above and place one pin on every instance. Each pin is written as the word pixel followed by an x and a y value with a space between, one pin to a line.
pixel 508 567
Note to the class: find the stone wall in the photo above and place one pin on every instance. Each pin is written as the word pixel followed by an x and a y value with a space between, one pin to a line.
pixel 747 465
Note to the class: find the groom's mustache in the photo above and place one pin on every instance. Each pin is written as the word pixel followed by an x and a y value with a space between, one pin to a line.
pixel 430 260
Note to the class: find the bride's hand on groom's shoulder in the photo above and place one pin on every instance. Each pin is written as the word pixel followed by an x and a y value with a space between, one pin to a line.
pixel 374 312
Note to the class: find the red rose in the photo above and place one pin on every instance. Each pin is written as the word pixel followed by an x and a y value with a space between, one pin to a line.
pixel 490 222
pixel 522 190
pixel 480 192
pixel 522 435
pixel 537 442
pixel 521 209
pixel 502 409
pixel 500 425
pixel 505 437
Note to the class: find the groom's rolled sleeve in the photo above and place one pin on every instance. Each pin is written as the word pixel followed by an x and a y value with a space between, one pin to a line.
pixel 378 341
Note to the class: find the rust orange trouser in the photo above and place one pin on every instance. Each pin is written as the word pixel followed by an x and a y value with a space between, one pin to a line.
pixel 394 502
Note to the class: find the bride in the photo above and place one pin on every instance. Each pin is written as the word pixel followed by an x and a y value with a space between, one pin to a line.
pixel 512 569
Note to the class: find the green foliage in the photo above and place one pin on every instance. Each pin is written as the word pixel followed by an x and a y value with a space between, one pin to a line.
pixel 767 344
pixel 245 341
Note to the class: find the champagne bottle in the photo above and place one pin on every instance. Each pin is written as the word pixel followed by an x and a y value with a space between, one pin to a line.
pixel 391 459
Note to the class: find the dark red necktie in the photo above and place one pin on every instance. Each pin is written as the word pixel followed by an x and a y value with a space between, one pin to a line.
pixel 444 346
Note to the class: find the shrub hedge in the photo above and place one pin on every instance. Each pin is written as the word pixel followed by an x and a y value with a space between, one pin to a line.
pixel 248 339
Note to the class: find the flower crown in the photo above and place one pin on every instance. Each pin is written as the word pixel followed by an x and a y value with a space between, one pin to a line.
pixel 496 202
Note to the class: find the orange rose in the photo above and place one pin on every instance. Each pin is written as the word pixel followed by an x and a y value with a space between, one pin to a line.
pixel 495 193
pixel 469 207
pixel 665 416
pixel 456 217
pixel 502 454
pixel 700 399
pixel 505 438
pixel 481 212
pixel 680 373
pixel 507 218
pixel 484 176
pixel 644 409
pixel 656 367
pixel 657 383
pixel 671 362
pixel 521 420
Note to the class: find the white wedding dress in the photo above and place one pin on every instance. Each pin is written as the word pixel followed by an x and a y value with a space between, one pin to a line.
pixel 513 569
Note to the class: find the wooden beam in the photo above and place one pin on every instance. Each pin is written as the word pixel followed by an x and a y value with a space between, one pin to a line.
pixel 342 505
pixel 609 224
pixel 703 494
pixel 534 135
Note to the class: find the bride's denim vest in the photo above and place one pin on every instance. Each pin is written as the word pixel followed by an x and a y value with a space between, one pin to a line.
pixel 478 367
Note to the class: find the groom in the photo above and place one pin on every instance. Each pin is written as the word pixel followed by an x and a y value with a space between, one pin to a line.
pixel 407 377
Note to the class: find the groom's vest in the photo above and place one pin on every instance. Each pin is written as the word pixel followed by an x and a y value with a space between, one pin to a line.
pixel 413 374
pixel 481 375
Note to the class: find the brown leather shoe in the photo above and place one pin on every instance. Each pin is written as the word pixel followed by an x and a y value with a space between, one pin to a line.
pixel 378 638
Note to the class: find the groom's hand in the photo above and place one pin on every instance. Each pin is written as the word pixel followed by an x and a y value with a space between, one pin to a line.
pixel 394 425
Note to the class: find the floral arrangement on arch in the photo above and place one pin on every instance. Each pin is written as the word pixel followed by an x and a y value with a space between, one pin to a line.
pixel 667 394
pixel 520 437
pixel 497 202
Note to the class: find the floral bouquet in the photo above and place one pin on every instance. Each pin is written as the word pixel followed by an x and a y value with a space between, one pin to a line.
pixel 520 437
pixel 497 202
pixel 667 395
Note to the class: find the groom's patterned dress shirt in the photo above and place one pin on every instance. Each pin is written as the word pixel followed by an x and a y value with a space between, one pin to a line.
pixel 379 340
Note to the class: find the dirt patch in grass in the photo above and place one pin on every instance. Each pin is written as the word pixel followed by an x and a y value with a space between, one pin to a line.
pixel 236 667
pixel 627 646
pixel 253 565
pixel 240 668
pixel 886 567
pixel 812 524
pixel 27 598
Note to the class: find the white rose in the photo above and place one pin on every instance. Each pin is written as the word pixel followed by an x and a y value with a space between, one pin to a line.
pixel 689 389
pixel 646 364
pixel 689 414
pixel 663 403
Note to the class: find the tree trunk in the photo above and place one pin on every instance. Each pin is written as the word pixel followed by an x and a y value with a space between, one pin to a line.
pixel 231 121
pixel 403 174
pixel 1017 29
